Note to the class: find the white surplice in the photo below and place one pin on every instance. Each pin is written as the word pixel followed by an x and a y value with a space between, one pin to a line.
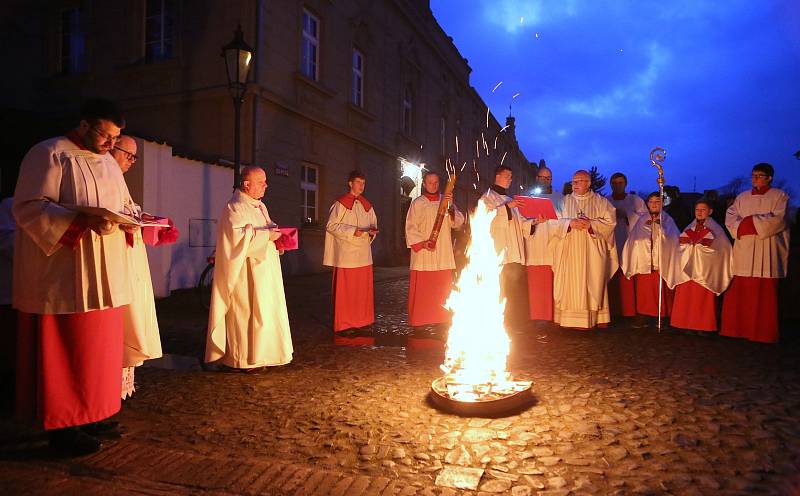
pixel 506 233
pixel 649 249
pixel 628 211
pixel 248 325
pixel 141 334
pixel 583 261
pixel 342 247
pixel 419 224
pixel 766 254
pixel 52 278
pixel 538 250
pixel 709 266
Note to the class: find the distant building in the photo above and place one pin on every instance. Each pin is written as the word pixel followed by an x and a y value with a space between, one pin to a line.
pixel 335 86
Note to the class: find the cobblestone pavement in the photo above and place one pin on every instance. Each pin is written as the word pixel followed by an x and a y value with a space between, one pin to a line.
pixel 618 411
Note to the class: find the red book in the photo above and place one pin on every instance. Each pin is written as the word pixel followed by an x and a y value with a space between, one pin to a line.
pixel 533 207
pixel 288 240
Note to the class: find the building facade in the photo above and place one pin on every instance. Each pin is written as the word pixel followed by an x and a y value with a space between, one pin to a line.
pixel 334 86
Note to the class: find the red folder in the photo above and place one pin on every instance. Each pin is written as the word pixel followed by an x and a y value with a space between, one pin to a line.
pixel 288 240
pixel 533 207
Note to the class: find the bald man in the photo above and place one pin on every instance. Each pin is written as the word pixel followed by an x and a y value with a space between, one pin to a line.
pixel 584 258
pixel 248 325
pixel 142 340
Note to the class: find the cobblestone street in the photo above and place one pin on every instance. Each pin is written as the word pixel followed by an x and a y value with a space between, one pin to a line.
pixel 617 411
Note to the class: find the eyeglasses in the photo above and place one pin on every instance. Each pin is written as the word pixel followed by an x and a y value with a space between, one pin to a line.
pixel 549 178
pixel 759 176
pixel 130 156
pixel 105 136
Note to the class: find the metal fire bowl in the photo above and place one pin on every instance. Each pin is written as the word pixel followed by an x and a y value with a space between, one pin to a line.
pixel 508 405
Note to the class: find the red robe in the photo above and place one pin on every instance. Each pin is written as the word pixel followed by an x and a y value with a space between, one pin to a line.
pixel 540 292
pixel 647 295
pixel 427 293
pixel 694 307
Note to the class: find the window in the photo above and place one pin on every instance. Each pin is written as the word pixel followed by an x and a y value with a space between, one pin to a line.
pixel 309 63
pixel 309 189
pixel 358 78
pixel 159 34
pixel 443 137
pixel 73 42
pixel 408 105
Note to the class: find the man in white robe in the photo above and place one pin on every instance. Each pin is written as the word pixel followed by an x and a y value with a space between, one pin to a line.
pixel 506 232
pixel 432 263
pixel 539 253
pixel 248 325
pixel 584 258
pixel 142 340
pixel 621 292
pixel 71 281
pixel 650 257
pixel 756 220
pixel 706 265
pixel 351 229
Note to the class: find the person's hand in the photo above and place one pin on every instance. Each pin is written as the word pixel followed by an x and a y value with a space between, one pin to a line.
pixel 514 203
pixel 540 220
pixel 448 198
pixel 430 245
pixel 100 225
pixel 579 224
pixel 358 232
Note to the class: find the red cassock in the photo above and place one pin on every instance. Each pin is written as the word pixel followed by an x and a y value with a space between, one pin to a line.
pixel 694 307
pixel 647 295
pixel 353 304
pixel 622 295
pixel 540 292
pixel 69 367
pixel 427 293
pixel 741 320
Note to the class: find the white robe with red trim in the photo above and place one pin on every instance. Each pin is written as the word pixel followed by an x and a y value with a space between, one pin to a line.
pixel 650 247
pixel 767 253
pixel 419 224
pixel 708 263
pixel 342 247
pixel 50 278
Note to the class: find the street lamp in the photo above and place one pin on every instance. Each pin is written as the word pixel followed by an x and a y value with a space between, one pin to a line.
pixel 238 55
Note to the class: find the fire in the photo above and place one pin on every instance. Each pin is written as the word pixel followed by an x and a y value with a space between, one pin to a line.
pixel 478 344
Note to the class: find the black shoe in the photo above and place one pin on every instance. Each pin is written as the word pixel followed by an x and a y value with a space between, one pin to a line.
pixel 105 428
pixel 639 322
pixel 72 441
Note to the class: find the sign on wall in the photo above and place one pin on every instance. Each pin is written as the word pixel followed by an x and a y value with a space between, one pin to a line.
pixel 281 169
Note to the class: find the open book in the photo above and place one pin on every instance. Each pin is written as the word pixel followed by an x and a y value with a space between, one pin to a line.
pixel 117 217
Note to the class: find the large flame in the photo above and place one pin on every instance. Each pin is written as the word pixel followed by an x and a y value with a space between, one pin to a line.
pixel 478 344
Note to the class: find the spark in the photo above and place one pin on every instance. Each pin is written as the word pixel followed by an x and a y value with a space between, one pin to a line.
pixel 477 150
pixel 504 128
pixel 504 157
pixel 474 186
pixel 521 20
pixel 537 36
pixel 520 186
pixel 495 142
pixel 462 167
pixel 487 117
pixel 456 144
pixel 497 86
pixel 515 95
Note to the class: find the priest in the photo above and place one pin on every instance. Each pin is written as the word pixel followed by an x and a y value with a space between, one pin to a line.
pixel 650 256
pixel 71 281
pixel 432 262
pixel 584 258
pixel 141 338
pixel 506 231
pixel 351 229
pixel 538 253
pixel 621 293
pixel 248 325
pixel 756 220
pixel 705 272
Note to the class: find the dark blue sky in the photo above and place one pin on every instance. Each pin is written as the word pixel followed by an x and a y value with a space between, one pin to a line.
pixel 716 83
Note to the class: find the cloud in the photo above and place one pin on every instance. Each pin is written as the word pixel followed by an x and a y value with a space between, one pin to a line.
pixel 515 16
pixel 632 97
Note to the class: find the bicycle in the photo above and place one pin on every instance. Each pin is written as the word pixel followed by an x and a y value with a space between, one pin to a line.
pixel 205 281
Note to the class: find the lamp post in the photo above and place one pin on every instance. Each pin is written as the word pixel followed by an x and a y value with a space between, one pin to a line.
pixel 238 55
